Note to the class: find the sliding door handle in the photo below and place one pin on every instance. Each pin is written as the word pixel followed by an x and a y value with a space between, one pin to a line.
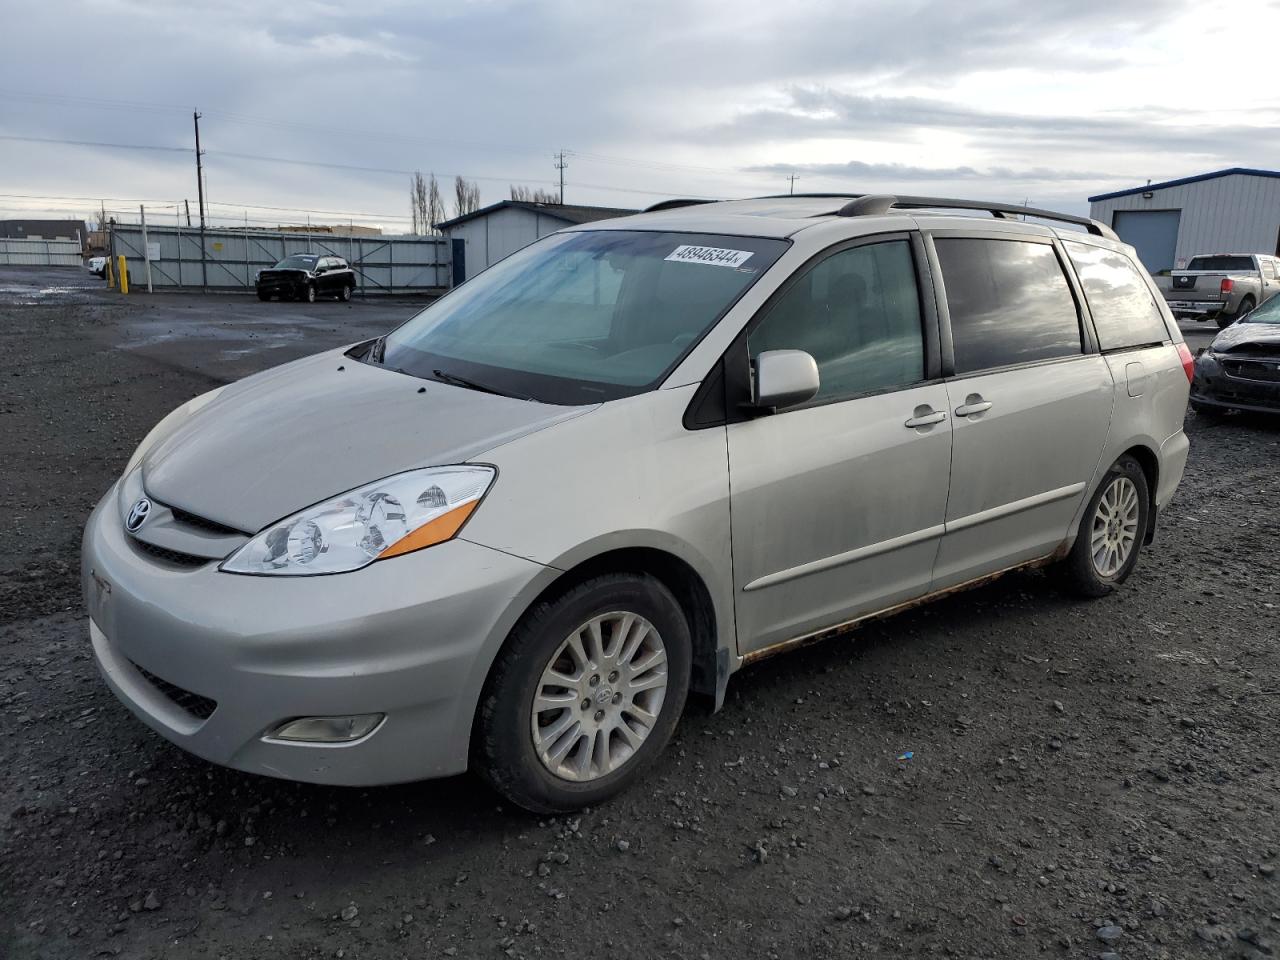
pixel 925 416
pixel 973 403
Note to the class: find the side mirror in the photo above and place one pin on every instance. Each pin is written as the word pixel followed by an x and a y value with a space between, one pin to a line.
pixel 784 378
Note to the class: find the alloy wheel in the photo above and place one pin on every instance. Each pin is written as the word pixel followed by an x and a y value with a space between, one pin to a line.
pixel 599 697
pixel 1115 527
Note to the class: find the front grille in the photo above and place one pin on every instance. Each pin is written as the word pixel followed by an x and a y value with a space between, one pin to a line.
pixel 1256 350
pixel 202 523
pixel 1263 371
pixel 192 703
pixel 170 556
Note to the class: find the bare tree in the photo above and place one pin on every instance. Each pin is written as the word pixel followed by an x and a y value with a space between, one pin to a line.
pixel 418 204
pixel 466 196
pixel 530 195
pixel 435 205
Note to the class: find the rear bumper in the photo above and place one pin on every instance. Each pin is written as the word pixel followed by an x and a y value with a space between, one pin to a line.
pixel 1197 308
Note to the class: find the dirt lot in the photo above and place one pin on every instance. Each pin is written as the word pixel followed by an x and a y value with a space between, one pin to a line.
pixel 1085 778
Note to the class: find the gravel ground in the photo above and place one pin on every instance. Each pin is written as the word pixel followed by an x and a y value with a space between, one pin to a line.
pixel 1086 778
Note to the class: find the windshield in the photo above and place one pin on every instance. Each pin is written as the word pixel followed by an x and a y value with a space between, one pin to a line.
pixel 1228 264
pixel 297 262
pixel 582 317
pixel 1269 312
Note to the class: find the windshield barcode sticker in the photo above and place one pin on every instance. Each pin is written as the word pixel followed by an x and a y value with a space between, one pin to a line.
pixel 715 256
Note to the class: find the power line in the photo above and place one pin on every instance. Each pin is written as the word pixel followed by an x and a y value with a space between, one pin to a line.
pixel 235 117
pixel 95 143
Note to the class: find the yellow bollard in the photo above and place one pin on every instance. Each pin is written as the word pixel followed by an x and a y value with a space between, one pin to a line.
pixel 111 275
pixel 124 273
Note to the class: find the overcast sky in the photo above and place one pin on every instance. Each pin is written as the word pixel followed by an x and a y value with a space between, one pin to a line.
pixel 328 106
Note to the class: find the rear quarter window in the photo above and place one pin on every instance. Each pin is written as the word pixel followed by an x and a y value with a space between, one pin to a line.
pixel 1125 313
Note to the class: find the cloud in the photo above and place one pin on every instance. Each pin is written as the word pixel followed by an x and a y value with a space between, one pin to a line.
pixel 1057 99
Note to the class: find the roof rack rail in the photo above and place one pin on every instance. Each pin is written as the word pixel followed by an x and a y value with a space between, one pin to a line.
pixel 879 204
pixel 672 204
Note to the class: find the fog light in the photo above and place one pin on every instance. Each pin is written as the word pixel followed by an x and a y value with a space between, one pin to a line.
pixel 328 729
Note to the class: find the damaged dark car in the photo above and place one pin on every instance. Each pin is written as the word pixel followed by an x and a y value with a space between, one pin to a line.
pixel 306 276
pixel 1241 368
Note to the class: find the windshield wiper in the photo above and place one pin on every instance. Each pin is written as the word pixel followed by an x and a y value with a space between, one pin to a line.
pixel 474 385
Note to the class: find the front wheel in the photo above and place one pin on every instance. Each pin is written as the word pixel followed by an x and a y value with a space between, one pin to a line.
pixel 585 694
pixel 309 294
pixel 264 295
pixel 1111 532
pixel 345 295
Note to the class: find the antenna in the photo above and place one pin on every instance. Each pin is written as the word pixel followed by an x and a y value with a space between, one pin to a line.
pixel 792 180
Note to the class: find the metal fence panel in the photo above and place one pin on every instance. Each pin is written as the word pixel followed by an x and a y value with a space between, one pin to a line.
pixel 40 253
pixel 232 258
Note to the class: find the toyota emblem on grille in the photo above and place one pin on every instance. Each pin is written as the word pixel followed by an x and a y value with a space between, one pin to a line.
pixel 138 514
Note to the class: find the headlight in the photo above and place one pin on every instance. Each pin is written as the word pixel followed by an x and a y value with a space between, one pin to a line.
pixel 167 424
pixel 402 513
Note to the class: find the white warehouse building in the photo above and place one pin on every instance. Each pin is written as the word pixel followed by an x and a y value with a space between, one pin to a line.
pixel 1228 211
pixel 485 236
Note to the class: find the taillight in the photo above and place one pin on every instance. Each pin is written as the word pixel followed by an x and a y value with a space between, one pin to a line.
pixel 1228 284
pixel 1188 361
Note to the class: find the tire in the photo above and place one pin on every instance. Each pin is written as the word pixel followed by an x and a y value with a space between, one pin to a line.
pixel 263 295
pixel 1081 572
pixel 504 751
pixel 309 294
pixel 1242 311
pixel 345 294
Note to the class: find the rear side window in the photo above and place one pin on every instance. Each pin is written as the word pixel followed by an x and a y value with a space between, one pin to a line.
pixel 1227 264
pixel 857 313
pixel 1124 312
pixel 1009 303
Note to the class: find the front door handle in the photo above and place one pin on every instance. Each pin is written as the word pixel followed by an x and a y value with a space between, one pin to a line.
pixel 925 416
pixel 973 404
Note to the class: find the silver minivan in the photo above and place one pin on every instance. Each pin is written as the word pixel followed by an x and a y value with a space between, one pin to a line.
pixel 516 532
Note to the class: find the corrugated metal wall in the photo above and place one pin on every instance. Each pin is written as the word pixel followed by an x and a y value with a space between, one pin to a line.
pixel 496 235
pixel 1234 214
pixel 408 264
pixel 40 253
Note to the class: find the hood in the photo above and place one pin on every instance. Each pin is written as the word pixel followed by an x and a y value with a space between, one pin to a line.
pixel 282 440
pixel 1238 335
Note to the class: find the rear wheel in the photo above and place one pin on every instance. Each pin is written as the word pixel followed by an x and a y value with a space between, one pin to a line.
pixel 1245 308
pixel 585 694
pixel 1111 532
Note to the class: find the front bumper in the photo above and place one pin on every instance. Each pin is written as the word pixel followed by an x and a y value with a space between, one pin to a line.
pixel 411 638
pixel 1215 385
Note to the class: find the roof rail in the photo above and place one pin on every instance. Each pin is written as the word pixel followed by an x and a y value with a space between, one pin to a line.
pixel 879 204
pixel 672 204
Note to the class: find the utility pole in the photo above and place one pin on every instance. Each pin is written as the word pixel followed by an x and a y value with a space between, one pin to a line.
pixel 146 247
pixel 792 179
pixel 204 269
pixel 560 165
pixel 187 204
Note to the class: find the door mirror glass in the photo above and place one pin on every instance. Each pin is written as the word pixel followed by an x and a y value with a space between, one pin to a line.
pixel 784 378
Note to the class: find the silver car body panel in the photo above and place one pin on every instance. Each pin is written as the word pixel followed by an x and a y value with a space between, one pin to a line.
pixel 795 522
pixel 812 546
pixel 300 433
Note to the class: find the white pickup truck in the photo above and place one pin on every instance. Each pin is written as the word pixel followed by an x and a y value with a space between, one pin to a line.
pixel 1221 286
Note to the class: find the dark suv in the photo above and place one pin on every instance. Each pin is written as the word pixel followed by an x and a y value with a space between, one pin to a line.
pixel 305 276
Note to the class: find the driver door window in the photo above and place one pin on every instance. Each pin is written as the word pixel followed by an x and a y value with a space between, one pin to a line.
pixel 858 314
